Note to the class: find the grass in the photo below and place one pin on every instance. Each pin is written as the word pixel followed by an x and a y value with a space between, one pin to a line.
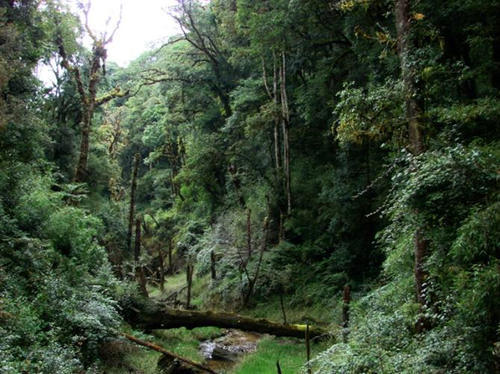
pixel 291 354
pixel 177 282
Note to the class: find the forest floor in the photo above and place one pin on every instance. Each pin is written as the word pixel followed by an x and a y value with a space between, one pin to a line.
pixel 290 352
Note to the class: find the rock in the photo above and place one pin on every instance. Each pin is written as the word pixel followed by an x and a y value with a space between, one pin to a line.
pixel 230 346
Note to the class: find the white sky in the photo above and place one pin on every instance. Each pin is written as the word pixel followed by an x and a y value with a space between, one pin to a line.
pixel 145 23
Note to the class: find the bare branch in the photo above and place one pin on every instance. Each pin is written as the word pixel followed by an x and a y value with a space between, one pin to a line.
pixel 86 11
pixel 118 22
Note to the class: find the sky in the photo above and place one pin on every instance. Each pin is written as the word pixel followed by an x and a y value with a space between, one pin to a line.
pixel 145 23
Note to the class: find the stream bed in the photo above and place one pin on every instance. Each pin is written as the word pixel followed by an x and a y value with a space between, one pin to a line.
pixel 224 352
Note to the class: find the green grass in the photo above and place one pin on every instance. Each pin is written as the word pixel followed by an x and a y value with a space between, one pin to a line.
pixel 177 282
pixel 291 354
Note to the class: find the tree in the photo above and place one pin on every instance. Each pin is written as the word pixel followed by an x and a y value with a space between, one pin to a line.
pixel 87 86
pixel 413 113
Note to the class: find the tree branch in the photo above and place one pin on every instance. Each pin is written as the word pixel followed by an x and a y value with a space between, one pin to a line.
pixel 162 350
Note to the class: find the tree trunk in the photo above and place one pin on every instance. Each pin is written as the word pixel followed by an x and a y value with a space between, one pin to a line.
pixel 413 117
pixel 276 119
pixel 161 258
pixel 133 188
pixel 139 270
pixel 189 279
pixel 413 110
pixel 155 316
pixel 345 312
pixel 81 167
pixel 212 265
pixel 249 234
pixel 253 281
pixel 89 101
pixel 285 129
pixel 170 263
pixel 282 305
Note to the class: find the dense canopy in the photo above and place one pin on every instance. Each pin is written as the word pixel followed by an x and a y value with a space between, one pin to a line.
pixel 333 161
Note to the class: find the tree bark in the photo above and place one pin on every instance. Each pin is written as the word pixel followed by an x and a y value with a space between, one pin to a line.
pixel 285 129
pixel 345 312
pixel 133 188
pixel 413 116
pixel 161 258
pixel 282 305
pixel 170 261
pixel 189 279
pixel 81 172
pixel 156 316
pixel 162 350
pixel 413 110
pixel 212 265
pixel 249 234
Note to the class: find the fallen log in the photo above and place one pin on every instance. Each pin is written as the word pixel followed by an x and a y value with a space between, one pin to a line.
pixel 161 317
pixel 162 350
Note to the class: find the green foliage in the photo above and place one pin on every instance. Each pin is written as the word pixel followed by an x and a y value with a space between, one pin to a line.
pixel 208 116
pixel 374 115
pixel 56 301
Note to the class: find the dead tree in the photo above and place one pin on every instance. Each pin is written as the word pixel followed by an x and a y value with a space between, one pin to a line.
pixel 169 354
pixel 158 316
pixel 87 88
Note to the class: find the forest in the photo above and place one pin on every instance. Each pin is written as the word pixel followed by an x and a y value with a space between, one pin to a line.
pixel 285 186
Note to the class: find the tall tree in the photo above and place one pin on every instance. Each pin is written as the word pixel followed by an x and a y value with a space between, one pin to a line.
pixel 133 189
pixel 413 113
pixel 87 81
